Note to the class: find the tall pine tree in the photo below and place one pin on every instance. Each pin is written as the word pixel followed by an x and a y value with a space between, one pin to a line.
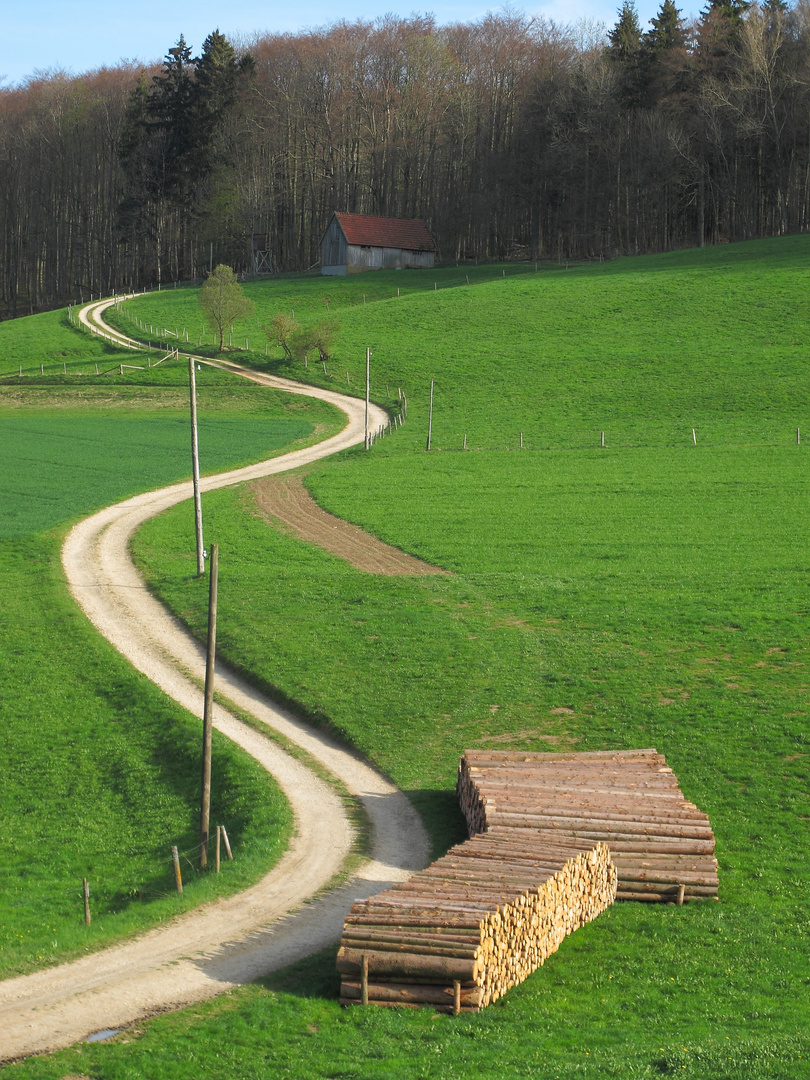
pixel 666 60
pixel 625 53
pixel 172 146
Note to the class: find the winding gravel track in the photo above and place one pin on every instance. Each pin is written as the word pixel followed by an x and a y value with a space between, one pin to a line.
pixel 223 944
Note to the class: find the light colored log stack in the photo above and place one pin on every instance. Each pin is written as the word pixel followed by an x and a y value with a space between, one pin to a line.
pixel 477 922
pixel 661 844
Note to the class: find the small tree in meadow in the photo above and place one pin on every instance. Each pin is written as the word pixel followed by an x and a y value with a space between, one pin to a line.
pixel 324 335
pixel 280 331
pixel 302 342
pixel 223 301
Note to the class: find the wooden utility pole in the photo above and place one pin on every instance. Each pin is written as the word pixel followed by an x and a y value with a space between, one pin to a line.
pixel 195 466
pixel 208 710
pixel 430 416
pixel 368 383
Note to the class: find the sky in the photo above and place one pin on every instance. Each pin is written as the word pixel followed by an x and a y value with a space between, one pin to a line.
pixel 82 35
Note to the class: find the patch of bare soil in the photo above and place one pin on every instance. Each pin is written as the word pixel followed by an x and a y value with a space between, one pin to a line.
pixel 286 499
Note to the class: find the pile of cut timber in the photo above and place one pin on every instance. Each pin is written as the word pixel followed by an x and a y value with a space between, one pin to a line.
pixel 662 845
pixel 475 923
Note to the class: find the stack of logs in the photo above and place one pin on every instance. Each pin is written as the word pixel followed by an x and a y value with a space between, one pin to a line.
pixel 661 844
pixel 475 923
pixel 544 828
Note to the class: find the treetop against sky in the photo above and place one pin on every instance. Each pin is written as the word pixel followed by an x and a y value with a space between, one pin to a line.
pixel 48 34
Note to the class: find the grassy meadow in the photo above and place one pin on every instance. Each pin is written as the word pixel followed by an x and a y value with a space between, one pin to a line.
pixel 651 593
pixel 100 770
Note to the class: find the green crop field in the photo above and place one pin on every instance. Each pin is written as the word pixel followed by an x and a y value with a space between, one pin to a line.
pixel 100 771
pixel 651 593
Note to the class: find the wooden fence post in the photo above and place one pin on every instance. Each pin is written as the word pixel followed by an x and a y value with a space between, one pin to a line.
pixel 86 891
pixel 178 877
pixel 430 416
pixel 225 842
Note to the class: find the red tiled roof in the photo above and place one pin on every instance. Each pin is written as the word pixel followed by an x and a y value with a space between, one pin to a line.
pixel 412 235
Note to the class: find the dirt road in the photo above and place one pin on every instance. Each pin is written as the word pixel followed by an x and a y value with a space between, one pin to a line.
pixel 232 941
pixel 287 500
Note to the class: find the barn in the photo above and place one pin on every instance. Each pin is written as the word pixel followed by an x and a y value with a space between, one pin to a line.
pixel 353 243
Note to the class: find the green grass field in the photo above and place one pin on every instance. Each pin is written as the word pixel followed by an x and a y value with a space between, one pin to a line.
pixel 100 771
pixel 653 593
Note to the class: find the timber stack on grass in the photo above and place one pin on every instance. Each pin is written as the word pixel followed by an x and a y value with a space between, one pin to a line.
pixel 459 934
pixel 662 845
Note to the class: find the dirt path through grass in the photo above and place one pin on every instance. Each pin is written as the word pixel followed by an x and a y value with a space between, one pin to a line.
pixel 232 941
pixel 287 500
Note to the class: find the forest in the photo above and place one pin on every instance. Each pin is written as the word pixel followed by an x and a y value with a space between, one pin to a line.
pixel 511 136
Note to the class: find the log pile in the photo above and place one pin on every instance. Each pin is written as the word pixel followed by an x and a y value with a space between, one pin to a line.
pixel 661 844
pixel 459 934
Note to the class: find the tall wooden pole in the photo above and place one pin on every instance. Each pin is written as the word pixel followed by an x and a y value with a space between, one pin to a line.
pixel 208 711
pixel 195 466
pixel 430 416
pixel 368 383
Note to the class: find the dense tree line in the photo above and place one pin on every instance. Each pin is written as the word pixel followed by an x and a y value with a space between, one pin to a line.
pixel 510 136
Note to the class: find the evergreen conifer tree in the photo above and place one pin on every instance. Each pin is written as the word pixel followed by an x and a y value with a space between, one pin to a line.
pixel 625 53
pixel 665 54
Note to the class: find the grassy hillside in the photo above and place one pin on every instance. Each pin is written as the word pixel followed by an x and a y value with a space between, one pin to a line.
pixel 100 771
pixel 651 593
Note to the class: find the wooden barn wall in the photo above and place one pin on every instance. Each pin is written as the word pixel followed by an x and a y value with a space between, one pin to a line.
pixel 373 258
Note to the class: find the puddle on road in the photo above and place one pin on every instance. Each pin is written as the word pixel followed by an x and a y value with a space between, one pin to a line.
pixel 101 1036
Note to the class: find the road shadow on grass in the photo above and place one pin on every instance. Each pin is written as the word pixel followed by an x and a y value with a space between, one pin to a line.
pixel 318 923
pixel 441 816
pixel 292 949
pixel 313 977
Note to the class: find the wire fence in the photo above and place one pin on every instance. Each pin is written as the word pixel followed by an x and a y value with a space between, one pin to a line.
pixel 37 901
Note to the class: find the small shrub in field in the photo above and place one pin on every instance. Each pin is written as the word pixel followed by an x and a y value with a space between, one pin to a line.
pixel 281 331
pixel 324 336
